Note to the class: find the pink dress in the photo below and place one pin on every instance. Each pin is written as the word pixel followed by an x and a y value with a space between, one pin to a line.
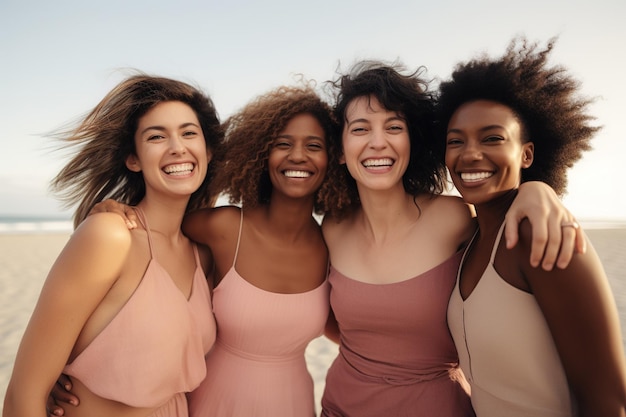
pixel 507 351
pixel 257 367
pixel 396 356
pixel 152 352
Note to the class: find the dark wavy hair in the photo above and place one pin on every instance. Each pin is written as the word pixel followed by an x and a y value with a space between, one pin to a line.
pixel 242 172
pixel 105 138
pixel 544 98
pixel 407 94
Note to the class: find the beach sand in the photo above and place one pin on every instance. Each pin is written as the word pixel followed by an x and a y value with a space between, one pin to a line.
pixel 25 260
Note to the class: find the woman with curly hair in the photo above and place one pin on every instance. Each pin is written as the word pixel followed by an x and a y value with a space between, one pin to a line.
pixel 271 295
pixel 530 341
pixel 395 251
pixel 127 313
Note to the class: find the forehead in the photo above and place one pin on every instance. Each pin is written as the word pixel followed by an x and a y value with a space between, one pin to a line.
pixel 304 124
pixel 169 111
pixel 483 112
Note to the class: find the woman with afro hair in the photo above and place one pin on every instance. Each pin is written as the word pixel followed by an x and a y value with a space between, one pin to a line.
pixel 530 341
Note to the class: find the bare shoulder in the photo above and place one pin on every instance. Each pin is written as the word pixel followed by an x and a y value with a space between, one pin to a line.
pixel 205 224
pixel 103 229
pixel 450 217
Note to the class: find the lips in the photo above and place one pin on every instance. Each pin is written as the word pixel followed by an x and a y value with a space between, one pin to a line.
pixel 179 169
pixel 291 173
pixel 470 177
pixel 379 162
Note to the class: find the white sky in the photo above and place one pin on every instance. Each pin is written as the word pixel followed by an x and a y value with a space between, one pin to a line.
pixel 58 59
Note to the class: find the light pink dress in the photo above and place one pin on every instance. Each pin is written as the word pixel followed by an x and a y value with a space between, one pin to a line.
pixel 396 356
pixel 257 367
pixel 152 352
pixel 507 351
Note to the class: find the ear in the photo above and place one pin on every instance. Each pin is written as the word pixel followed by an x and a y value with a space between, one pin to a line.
pixel 342 159
pixel 132 163
pixel 209 155
pixel 528 154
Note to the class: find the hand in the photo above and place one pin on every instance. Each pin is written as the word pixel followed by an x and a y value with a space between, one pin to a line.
pixel 556 234
pixel 112 206
pixel 60 393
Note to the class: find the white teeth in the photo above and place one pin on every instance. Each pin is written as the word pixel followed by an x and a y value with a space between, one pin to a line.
pixel 297 174
pixel 378 162
pixel 475 176
pixel 179 169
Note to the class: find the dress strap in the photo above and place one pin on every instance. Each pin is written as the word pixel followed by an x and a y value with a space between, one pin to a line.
pixel 238 237
pixel 144 222
pixel 496 244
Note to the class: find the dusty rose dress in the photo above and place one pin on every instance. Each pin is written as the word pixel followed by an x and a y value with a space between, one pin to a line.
pixel 396 356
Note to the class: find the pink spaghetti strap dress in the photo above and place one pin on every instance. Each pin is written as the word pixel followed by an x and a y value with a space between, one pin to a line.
pixel 153 350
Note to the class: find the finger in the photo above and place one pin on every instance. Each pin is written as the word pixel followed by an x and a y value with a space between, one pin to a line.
pixel 553 242
pixel 65 382
pixel 511 232
pixel 130 216
pixel 581 240
pixel 567 246
pixel 53 409
pixel 59 394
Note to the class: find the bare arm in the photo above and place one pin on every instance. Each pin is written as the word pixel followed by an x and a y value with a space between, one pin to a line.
pixel 580 311
pixel 551 242
pixel 78 281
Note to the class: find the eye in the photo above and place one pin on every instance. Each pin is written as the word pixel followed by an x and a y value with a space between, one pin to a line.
pixel 453 141
pixel 493 139
pixel 316 146
pixel 190 133
pixel 155 137
pixel 281 144
pixel 358 130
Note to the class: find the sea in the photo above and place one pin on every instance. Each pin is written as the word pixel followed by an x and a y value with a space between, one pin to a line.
pixel 34 225
pixel 39 224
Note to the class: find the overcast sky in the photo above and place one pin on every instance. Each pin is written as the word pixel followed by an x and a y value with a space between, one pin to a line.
pixel 59 58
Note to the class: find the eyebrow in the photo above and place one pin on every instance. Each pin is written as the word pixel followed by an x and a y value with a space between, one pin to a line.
pixel 285 136
pixel 482 129
pixel 387 120
pixel 162 128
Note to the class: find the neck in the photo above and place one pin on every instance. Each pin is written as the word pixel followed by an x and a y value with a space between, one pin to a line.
pixel 164 217
pixel 491 214
pixel 287 216
pixel 382 213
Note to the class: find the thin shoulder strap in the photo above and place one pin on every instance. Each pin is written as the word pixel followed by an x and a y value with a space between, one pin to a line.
pixel 144 222
pixel 496 244
pixel 238 237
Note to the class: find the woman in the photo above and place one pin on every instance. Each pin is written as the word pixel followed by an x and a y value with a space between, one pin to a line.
pixel 394 253
pixel 554 346
pixel 271 294
pixel 117 302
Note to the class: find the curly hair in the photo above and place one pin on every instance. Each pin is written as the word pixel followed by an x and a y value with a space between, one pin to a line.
pixel 241 172
pixel 406 94
pixel 544 99
pixel 105 138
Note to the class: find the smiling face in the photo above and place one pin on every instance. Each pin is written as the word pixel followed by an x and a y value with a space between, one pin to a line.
pixel 171 151
pixel 298 159
pixel 376 145
pixel 484 150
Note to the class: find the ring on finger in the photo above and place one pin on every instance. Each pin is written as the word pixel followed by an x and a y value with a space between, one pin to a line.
pixel 570 224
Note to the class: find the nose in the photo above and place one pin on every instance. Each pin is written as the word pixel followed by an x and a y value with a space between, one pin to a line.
pixel 377 139
pixel 177 146
pixel 297 153
pixel 471 152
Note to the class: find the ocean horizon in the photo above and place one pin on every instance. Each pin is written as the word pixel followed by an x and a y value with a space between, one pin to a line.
pixel 33 224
